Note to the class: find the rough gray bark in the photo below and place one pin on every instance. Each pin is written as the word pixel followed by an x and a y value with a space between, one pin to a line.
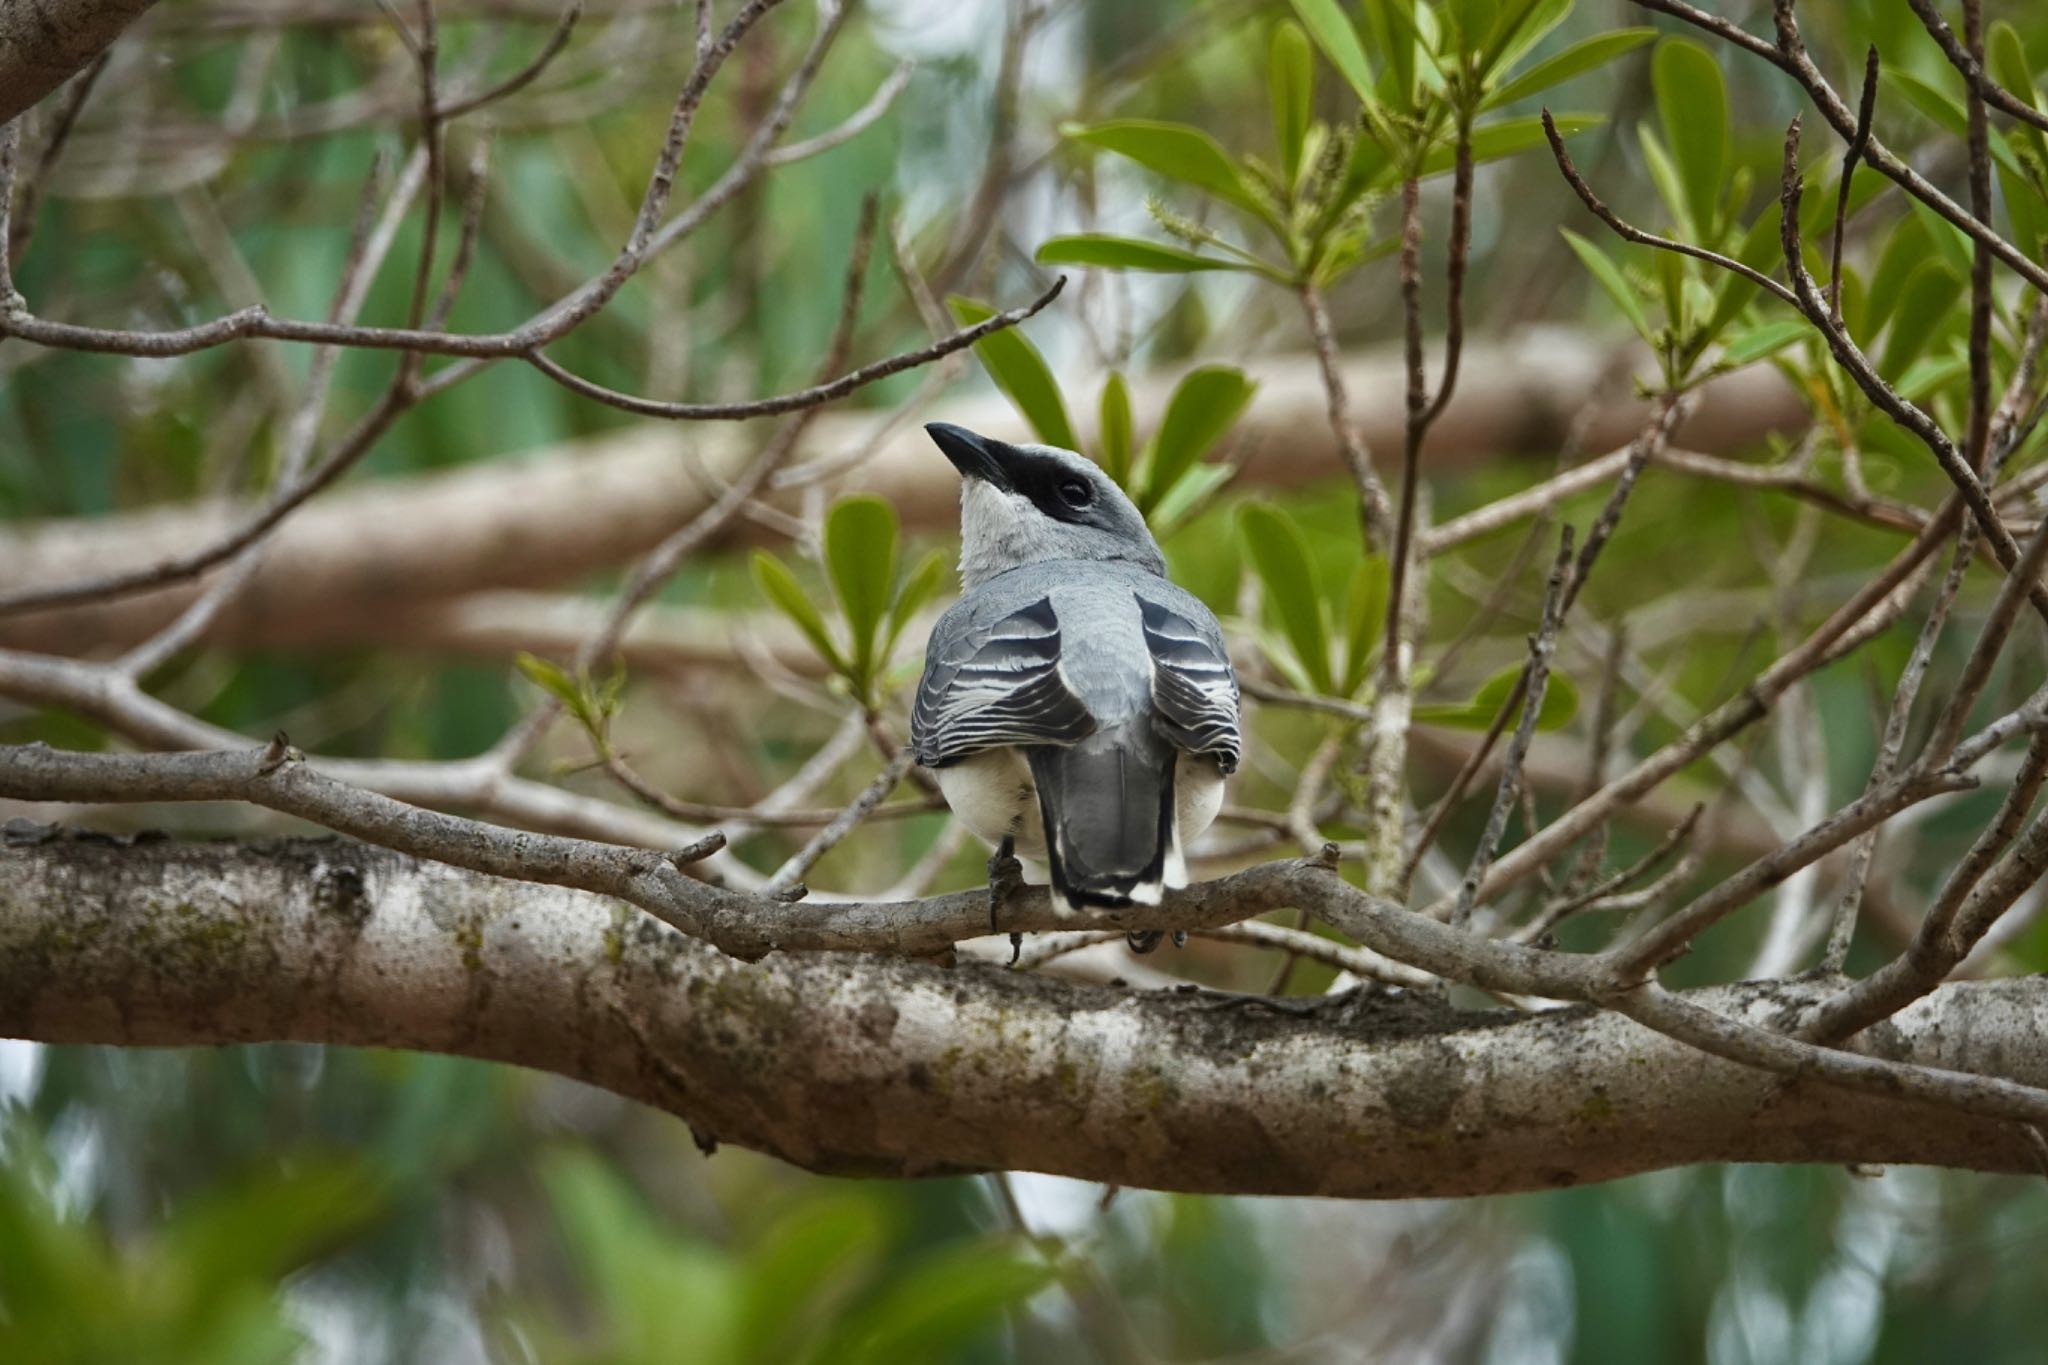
pixel 853 1063
pixel 43 43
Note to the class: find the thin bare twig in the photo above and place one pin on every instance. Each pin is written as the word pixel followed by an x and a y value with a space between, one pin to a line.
pixel 1842 930
pixel 1969 62
pixel 1866 107
pixel 525 75
pixel 367 248
pixel 825 392
pixel 1789 55
pixel 790 875
pixel 1542 645
pixel 1375 512
pixel 69 108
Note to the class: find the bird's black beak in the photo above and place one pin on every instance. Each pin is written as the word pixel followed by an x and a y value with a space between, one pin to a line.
pixel 975 456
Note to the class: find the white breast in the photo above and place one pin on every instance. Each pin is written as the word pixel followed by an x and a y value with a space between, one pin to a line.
pixel 993 794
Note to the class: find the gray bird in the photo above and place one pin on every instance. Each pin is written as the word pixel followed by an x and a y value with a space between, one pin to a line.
pixel 1075 705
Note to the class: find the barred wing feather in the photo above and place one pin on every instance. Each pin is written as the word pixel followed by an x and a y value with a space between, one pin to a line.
pixel 996 688
pixel 1193 686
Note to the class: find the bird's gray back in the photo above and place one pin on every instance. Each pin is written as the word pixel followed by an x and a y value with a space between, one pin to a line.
pixel 1120 636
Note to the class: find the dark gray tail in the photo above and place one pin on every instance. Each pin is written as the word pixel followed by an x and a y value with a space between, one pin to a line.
pixel 1107 803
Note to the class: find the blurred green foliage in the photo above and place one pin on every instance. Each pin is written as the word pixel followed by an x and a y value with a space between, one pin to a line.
pixel 293 1203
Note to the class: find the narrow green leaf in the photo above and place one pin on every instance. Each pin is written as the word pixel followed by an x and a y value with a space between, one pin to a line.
pixel 1021 373
pixel 2027 209
pixel 1613 281
pixel 1905 250
pixel 1331 28
pixel 1291 85
pixel 1365 617
pixel 1280 557
pixel 1933 296
pixel 1576 60
pixel 926 580
pixel 1929 374
pixel 1950 241
pixel 1692 106
pixel 1129 253
pixel 933 1308
pixel 2007 56
pixel 1520 32
pixel 1945 110
pixel 1115 432
pixel 1204 406
pixel 1942 108
pixel 1470 21
pixel 860 557
pixel 1768 339
pixel 1560 704
pixel 780 587
pixel 1733 293
pixel 550 677
pixel 1176 151
pixel 1188 497
pixel 1505 137
pixel 1670 185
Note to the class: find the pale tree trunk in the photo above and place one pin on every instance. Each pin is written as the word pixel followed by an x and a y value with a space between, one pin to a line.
pixel 857 1063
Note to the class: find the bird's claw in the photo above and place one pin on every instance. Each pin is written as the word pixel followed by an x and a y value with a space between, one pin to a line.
pixel 1146 940
pixel 1005 875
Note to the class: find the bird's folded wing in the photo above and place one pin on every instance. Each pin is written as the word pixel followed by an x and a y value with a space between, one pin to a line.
pixel 1193 686
pixel 995 687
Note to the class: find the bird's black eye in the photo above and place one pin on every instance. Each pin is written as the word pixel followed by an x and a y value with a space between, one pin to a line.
pixel 1076 493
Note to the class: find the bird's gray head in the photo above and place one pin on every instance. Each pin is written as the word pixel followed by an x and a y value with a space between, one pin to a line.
pixel 1024 505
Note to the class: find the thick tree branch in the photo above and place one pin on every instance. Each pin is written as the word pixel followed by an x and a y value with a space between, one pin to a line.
pixel 874 1066
pixel 43 43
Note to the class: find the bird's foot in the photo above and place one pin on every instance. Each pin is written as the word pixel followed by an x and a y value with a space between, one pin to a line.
pixel 1005 875
pixel 1146 940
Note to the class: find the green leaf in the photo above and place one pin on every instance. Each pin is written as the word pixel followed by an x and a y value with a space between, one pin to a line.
pixel 1947 112
pixel 1613 281
pixel 807 1258
pixel 1470 22
pixel 1692 106
pixel 1664 175
pixel 1280 557
pixel 1521 30
pixel 1576 60
pixel 924 582
pixel 1560 704
pixel 1202 409
pixel 1932 292
pixel 780 587
pixel 1505 137
pixel 1768 339
pixel 1905 250
pixel 551 678
pixel 1291 85
pixel 1188 496
pixel 1928 374
pixel 1331 28
pixel 262 1228
pixel 2007 57
pixel 1365 619
pixel 2028 210
pixel 932 1309
pixel 1127 253
pixel 1177 152
pixel 860 557
pixel 1022 374
pixel 1114 434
